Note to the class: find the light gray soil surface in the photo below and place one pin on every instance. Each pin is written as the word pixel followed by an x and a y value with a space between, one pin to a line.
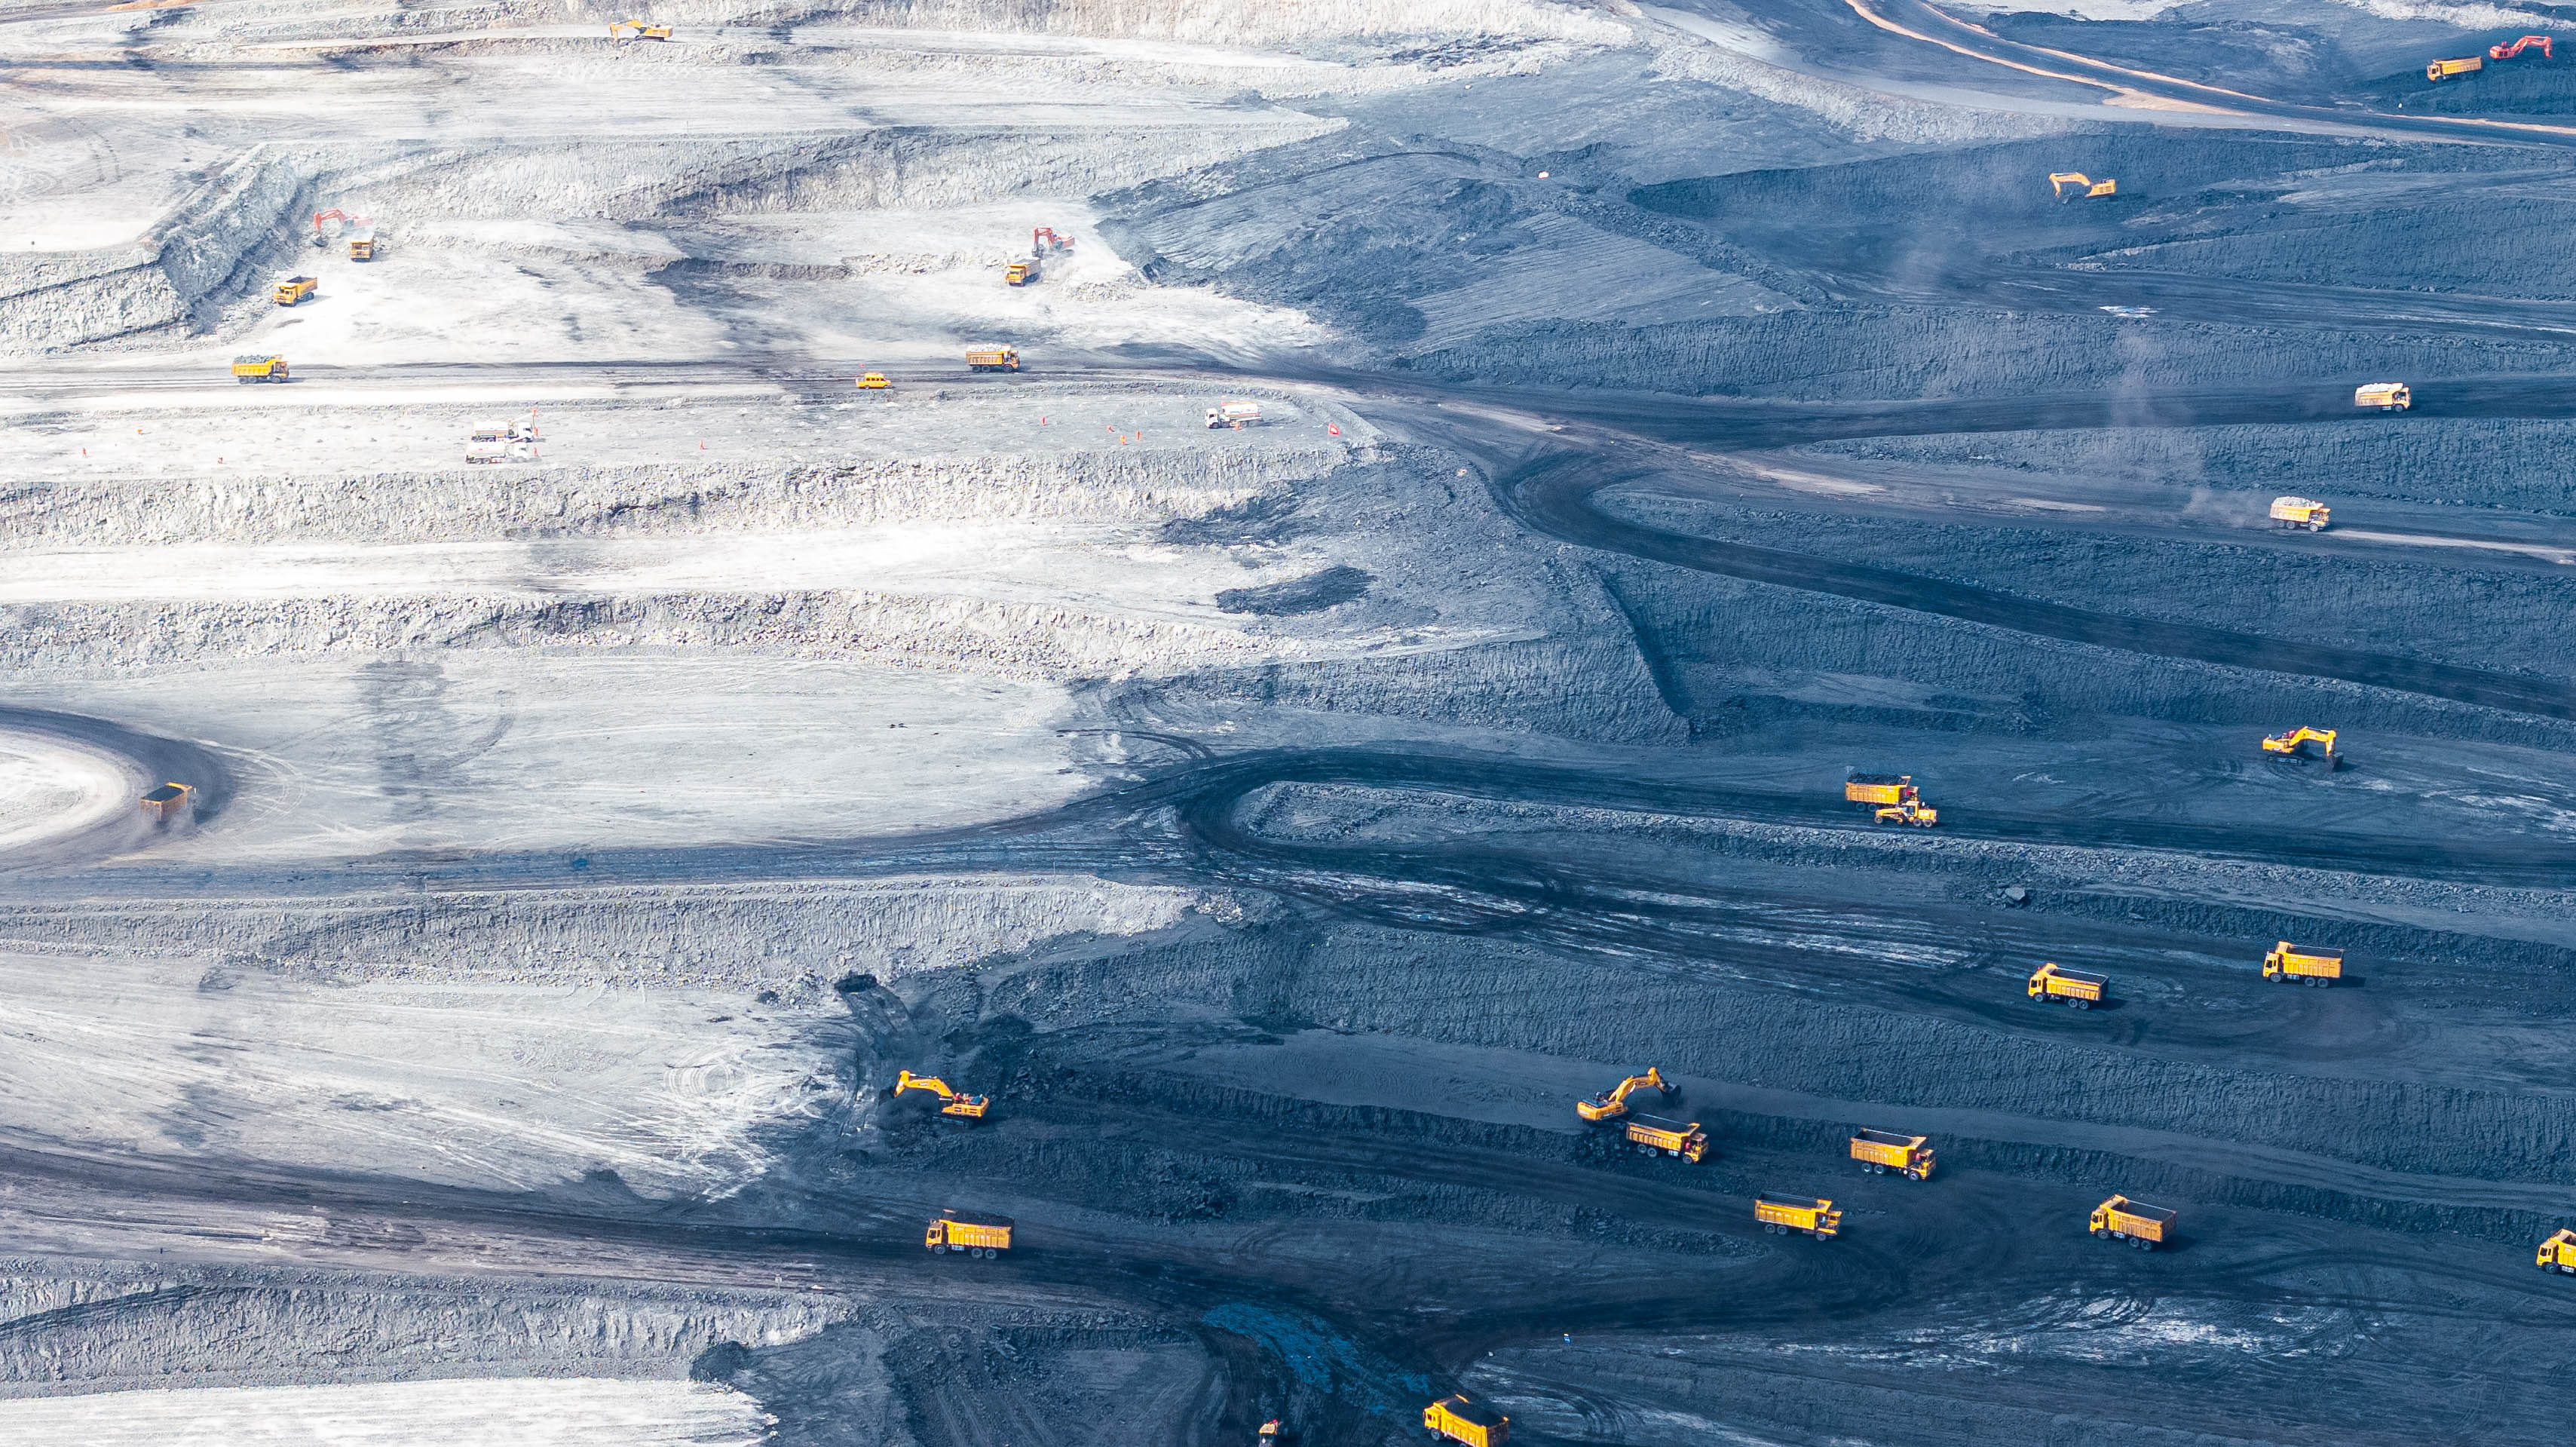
pixel 1665 412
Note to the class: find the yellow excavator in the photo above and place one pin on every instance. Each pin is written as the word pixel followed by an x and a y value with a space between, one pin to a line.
pixel 2290 743
pixel 2075 185
pixel 951 1103
pixel 1613 1103
pixel 639 30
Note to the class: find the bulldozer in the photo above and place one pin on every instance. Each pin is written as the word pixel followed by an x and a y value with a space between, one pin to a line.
pixel 2289 744
pixel 2076 186
pixel 1613 1103
pixel 2510 49
pixel 952 1104
pixel 638 30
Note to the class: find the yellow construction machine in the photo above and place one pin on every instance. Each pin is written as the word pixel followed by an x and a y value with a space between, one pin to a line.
pixel 2442 70
pixel 257 367
pixel 1613 1103
pixel 952 1104
pixel 2304 964
pixel 2386 396
pixel 293 290
pixel 2558 1253
pixel 2050 985
pixel 1020 273
pixel 2301 512
pixel 1459 1420
pixel 1890 798
pixel 1680 1138
pixel 637 29
pixel 2141 1225
pixel 1781 1215
pixel 2075 186
pixel 2290 743
pixel 982 1237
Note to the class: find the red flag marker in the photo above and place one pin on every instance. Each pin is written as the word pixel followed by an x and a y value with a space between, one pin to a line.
pixel 1334 428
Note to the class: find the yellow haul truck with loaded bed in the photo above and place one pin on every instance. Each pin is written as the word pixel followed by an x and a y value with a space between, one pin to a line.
pixel 1890 798
pixel 1880 1152
pixel 1653 1133
pixel 2558 1253
pixel 982 1237
pixel 2303 964
pixel 255 368
pixel 1458 1420
pixel 2050 985
pixel 2143 1226
pixel 2386 396
pixel 2301 512
pixel 1780 1215
pixel 992 359
pixel 2442 70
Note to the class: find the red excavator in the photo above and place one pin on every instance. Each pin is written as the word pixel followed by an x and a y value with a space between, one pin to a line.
pixel 2508 52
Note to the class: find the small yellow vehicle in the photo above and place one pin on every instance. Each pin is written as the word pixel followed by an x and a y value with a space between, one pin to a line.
pixel 1781 1215
pixel 2303 965
pixel 2301 512
pixel 294 290
pixel 2076 186
pixel 1652 1133
pixel 2050 985
pixel 1613 1103
pixel 2142 1226
pixel 1880 1152
pixel 2558 1253
pixel 255 368
pixel 638 30
pixel 982 1237
pixel 2289 744
pixel 1890 798
pixel 168 803
pixel 1459 1420
pixel 953 1104
pixel 873 382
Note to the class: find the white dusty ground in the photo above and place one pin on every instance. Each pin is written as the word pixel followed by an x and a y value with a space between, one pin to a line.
pixel 487 1412
pixel 50 788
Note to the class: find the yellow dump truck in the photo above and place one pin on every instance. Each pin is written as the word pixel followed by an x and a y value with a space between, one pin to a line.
pixel 169 803
pixel 362 247
pixel 1020 273
pixel 2050 985
pixel 2442 70
pixel 1890 798
pixel 1781 1215
pixel 1460 1420
pixel 2301 512
pixel 1652 1133
pixel 259 369
pixel 293 290
pixel 2386 396
pixel 2143 1226
pixel 2558 1253
pixel 2299 962
pixel 992 359
pixel 982 1237
pixel 1880 1152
